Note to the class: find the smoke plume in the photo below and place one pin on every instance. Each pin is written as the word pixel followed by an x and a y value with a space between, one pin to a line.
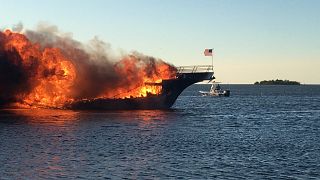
pixel 47 68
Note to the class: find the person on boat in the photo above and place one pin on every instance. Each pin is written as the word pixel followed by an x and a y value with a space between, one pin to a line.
pixel 218 87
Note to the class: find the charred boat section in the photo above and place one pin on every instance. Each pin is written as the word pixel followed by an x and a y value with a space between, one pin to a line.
pixel 170 90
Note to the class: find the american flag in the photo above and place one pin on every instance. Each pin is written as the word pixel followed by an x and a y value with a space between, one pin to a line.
pixel 208 52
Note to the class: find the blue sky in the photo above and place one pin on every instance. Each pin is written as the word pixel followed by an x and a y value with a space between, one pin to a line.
pixel 252 40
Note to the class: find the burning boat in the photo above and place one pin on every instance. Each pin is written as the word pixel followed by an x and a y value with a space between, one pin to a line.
pixel 42 69
pixel 170 90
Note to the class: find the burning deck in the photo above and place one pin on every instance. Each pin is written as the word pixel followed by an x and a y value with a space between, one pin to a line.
pixel 41 69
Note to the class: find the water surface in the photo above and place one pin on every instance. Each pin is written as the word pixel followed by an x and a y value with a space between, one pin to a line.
pixel 259 132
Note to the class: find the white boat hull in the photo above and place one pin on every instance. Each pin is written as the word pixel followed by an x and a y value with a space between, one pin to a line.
pixel 215 93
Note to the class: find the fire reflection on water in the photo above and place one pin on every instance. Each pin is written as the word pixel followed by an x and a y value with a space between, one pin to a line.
pixel 45 116
pixel 57 143
pixel 41 136
pixel 65 117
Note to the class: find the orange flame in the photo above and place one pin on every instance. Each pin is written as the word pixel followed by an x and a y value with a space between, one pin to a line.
pixel 51 75
pixel 138 74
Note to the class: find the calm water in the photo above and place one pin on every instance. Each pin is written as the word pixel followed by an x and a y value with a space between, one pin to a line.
pixel 260 132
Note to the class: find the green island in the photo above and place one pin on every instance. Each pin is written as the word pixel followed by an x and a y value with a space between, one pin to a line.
pixel 277 82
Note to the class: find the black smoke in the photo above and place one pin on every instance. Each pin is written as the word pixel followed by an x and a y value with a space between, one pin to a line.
pixel 15 77
pixel 95 63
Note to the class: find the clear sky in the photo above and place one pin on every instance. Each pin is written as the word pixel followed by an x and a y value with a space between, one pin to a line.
pixel 252 40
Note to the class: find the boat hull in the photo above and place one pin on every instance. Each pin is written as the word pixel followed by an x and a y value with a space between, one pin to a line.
pixel 171 89
pixel 225 93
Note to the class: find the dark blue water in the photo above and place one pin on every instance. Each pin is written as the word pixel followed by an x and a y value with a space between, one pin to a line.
pixel 259 132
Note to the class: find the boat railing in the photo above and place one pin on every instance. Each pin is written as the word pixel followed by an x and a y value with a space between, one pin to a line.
pixel 195 69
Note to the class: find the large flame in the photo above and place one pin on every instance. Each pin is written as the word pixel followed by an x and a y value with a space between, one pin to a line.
pixel 39 74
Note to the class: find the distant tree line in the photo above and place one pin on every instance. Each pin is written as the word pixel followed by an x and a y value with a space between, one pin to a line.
pixel 277 82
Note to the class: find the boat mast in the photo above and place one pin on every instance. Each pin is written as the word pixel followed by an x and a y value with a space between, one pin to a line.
pixel 212 59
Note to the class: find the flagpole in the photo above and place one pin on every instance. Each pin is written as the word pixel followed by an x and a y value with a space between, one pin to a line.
pixel 212 59
pixel 209 52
